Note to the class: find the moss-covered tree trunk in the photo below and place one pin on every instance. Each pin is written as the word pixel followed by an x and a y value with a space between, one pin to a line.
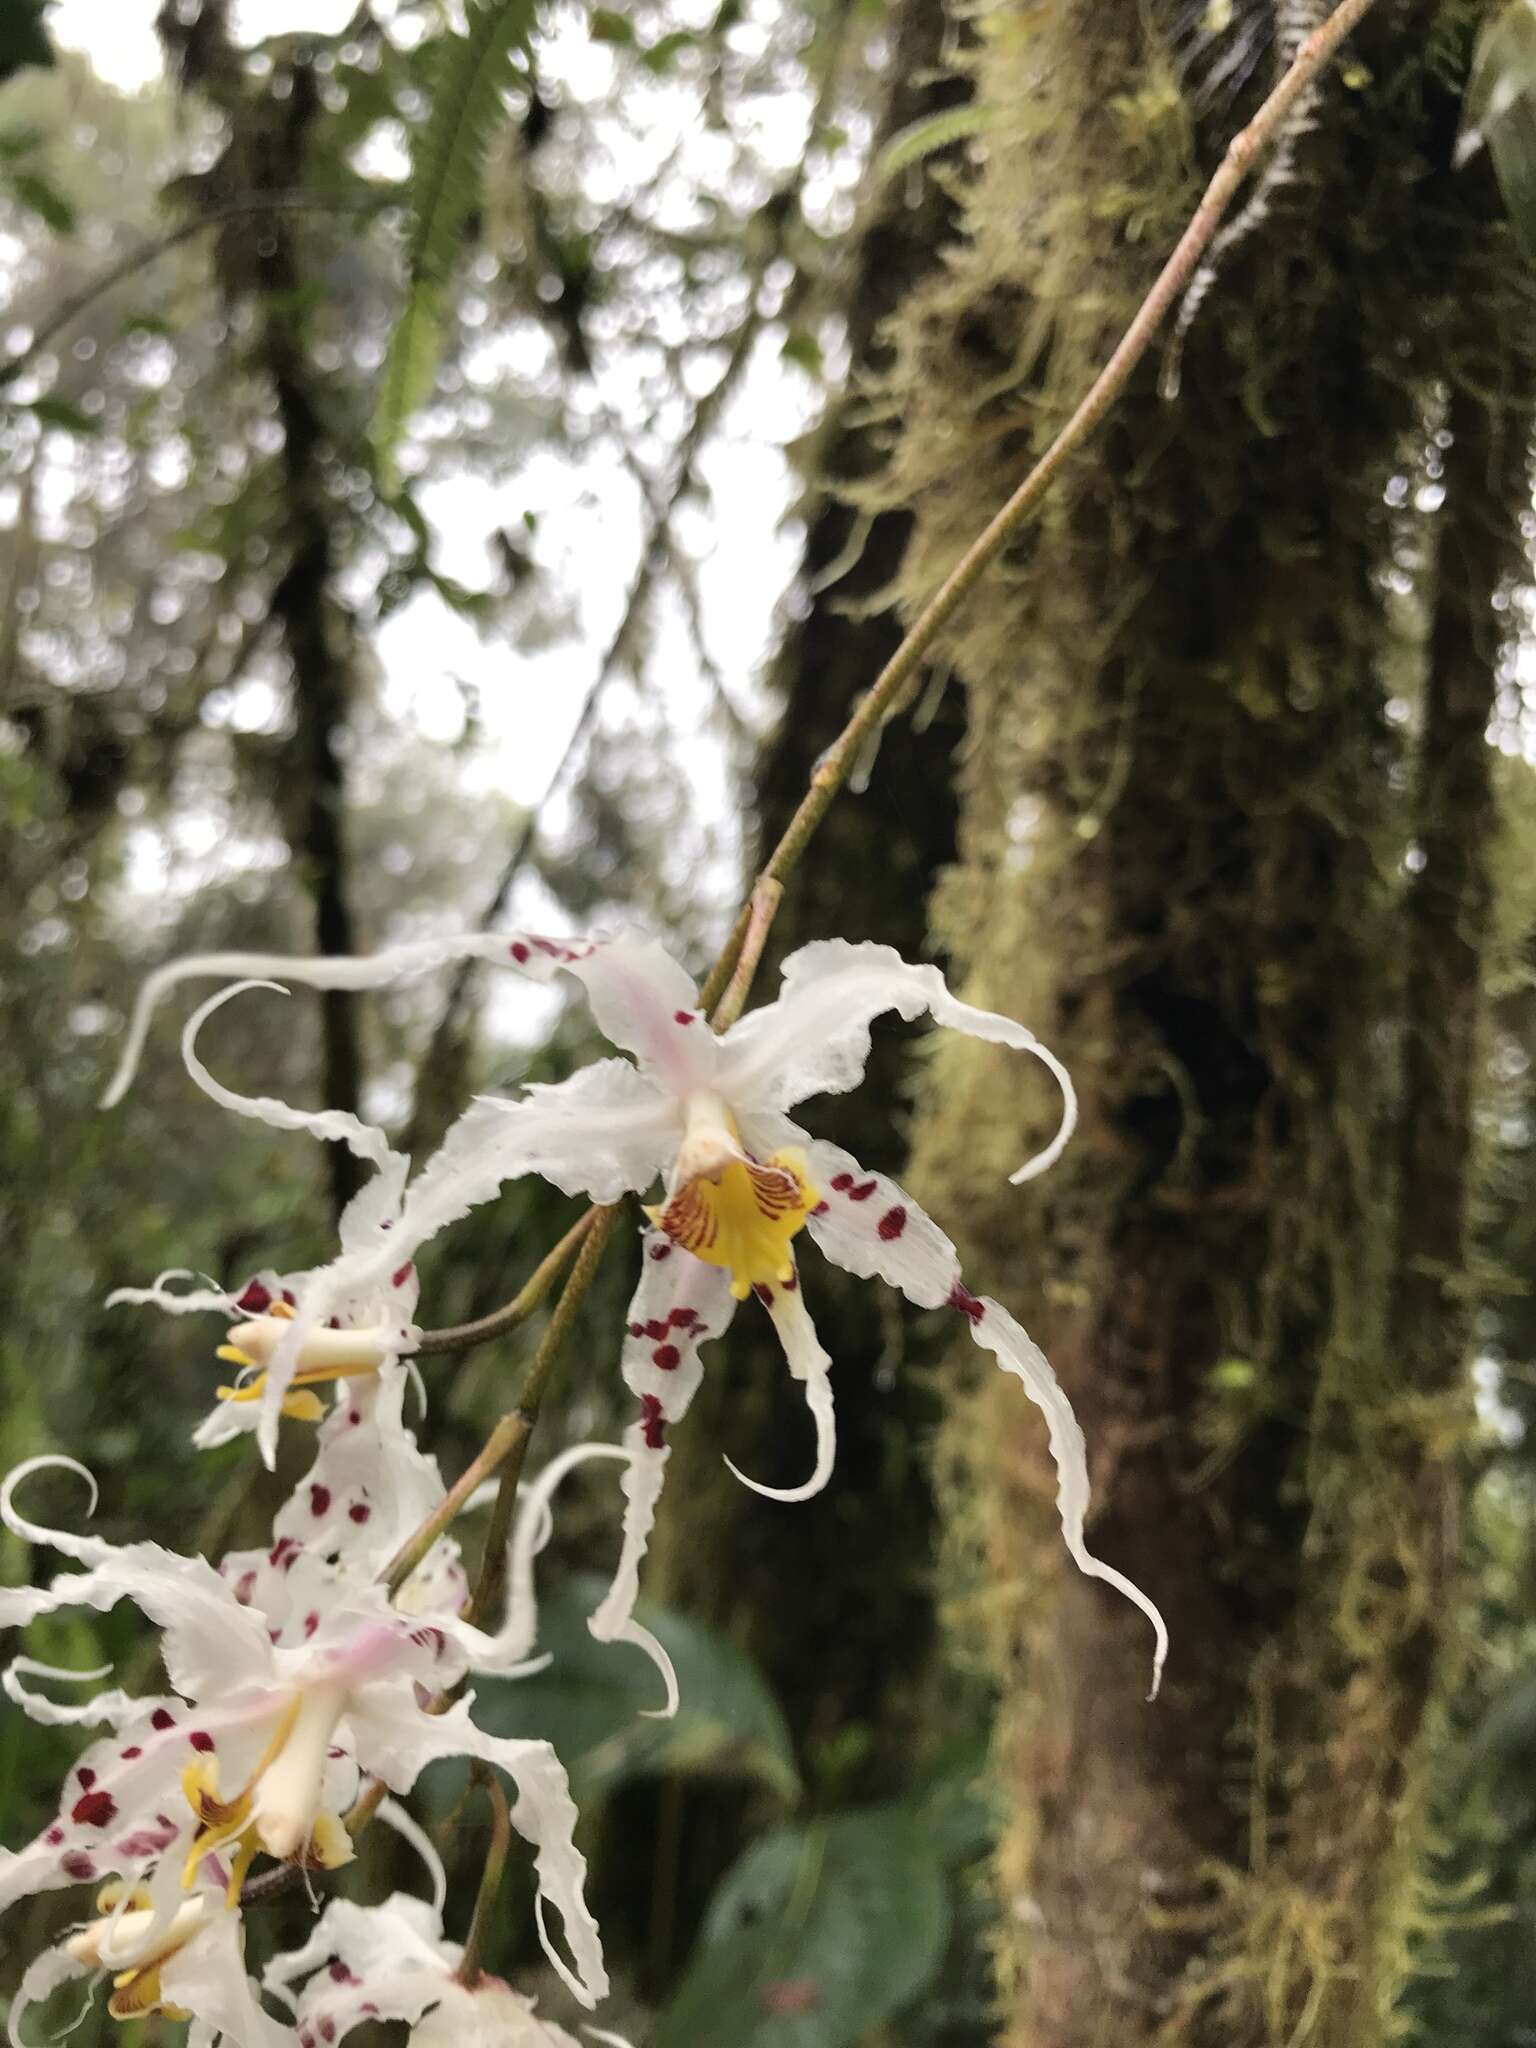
pixel 846 1652
pixel 1224 830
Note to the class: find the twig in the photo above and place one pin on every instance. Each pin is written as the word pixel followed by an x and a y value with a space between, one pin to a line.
pixel 509 1439
pixel 761 911
pixel 526 1414
pixel 459 1336
pixel 468 1972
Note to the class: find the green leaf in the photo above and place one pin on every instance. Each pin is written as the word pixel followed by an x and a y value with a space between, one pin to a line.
pixel 19 142
pixel 471 73
pixel 911 144
pixel 43 199
pixel 658 58
pixel 58 412
pixel 590 1700
pixel 23 38
pixel 607 25
pixel 802 348
pixel 816 1936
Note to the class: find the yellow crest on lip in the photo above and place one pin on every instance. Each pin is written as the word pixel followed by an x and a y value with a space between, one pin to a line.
pixel 744 1220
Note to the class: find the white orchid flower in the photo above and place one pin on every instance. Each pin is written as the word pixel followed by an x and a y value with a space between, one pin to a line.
pixel 708 1114
pixel 271 1725
pixel 191 1968
pixel 362 1329
pixel 391 1962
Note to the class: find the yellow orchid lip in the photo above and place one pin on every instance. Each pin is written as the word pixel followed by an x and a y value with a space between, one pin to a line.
pixel 743 1218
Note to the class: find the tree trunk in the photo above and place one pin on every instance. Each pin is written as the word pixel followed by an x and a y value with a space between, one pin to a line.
pixel 1223 840
pixel 850 1649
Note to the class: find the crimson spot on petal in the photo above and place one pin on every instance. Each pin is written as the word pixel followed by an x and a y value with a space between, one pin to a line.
pixel 359 1512
pixel 666 1356
pixel 862 1192
pixel 130 1754
pixel 78 1866
pixel 319 1499
pixel 961 1297
pixel 254 1299
pixel 54 1836
pixel 87 1777
pixel 399 1279
pixel 201 1739
pixel 661 1251
pixel 94 1810
pixel 161 1719
pixel 519 952
pixel 892 1223
pixel 652 1422
pixel 842 1182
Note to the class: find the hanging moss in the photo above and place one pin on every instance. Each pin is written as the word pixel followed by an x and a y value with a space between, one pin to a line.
pixel 1224 838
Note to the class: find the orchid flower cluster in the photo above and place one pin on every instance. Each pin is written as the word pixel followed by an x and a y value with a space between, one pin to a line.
pixel 297 1676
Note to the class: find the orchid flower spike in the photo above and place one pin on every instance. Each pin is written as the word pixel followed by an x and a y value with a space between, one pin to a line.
pixel 741 1181
pixel 391 1962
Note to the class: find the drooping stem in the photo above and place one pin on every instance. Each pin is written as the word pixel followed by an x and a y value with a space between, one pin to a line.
pixel 459 1336
pixel 761 911
pixel 526 1414
pixel 509 1439
pixel 468 1972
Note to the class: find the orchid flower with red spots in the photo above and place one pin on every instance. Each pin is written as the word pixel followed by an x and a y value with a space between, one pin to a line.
pixel 362 1330
pixel 708 1114
pixel 190 1966
pixel 391 1962
pixel 292 1674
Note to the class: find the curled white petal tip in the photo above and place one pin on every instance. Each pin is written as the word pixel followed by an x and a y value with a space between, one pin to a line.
pixel 409 1830
pixel 18 1525
pixel 1048 1157
pixel 642 1639
pixel 808 1491
pixel 818 1399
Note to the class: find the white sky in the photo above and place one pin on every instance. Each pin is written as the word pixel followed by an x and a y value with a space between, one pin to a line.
pixel 530 701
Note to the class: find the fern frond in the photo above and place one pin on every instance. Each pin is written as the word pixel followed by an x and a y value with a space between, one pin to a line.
pixel 470 78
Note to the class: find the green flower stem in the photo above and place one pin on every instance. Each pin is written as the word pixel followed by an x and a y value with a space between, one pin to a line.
pixel 460 1336
pixel 763 907
pixel 509 1439
pixel 493 1562
pixel 468 1972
